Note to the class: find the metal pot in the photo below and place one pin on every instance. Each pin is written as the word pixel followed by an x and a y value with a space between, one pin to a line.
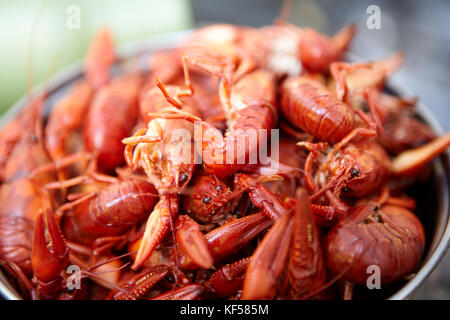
pixel 432 196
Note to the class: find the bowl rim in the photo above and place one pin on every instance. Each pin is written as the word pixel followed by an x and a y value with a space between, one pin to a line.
pixel 167 40
pixel 443 244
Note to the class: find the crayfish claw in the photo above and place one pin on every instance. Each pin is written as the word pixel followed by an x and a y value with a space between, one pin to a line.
pixel 157 227
pixel 412 161
pixel 192 242
pixel 267 262
pixel 49 254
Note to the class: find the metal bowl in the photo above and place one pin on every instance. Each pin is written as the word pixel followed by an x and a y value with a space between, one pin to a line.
pixel 432 196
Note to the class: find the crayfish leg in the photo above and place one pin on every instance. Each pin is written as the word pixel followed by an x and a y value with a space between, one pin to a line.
pixel 325 216
pixel 411 161
pixel 139 285
pixel 226 281
pixel 261 197
pixel 231 237
pixel 188 292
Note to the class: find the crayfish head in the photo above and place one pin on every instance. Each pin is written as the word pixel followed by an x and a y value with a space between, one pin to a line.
pixel 166 153
pixel 370 169
pixel 180 175
pixel 360 169
pixel 208 199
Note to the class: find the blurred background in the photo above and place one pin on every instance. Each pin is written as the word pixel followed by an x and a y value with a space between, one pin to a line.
pixel 39 38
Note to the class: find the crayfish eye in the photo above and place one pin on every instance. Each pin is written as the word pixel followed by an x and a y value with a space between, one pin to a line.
pixel 377 217
pixel 207 200
pixel 170 278
pixel 354 172
pixel 252 207
pixel 345 189
pixel 218 188
pixel 183 177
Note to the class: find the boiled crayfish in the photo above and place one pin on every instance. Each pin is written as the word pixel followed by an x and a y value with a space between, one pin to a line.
pixel 159 184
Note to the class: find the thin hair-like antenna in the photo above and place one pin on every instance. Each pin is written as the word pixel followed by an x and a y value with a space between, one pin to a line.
pixel 285 12
pixel 30 45
pixel 35 105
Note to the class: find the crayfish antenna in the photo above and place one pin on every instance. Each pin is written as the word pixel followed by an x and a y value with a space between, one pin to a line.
pixel 285 12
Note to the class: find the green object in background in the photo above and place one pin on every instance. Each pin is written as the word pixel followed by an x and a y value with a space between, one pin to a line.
pixel 42 34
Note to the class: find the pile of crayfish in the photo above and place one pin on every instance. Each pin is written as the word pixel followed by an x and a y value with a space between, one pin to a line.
pixel 103 198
